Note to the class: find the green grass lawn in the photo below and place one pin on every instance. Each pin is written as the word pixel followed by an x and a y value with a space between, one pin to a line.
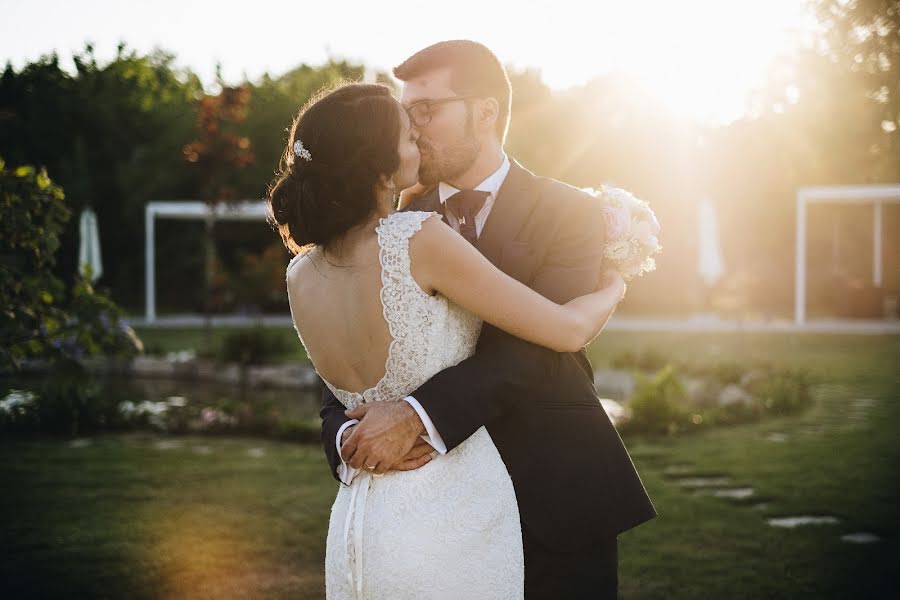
pixel 217 518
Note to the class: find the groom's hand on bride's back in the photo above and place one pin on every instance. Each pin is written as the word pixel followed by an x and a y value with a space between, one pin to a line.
pixel 422 452
pixel 384 437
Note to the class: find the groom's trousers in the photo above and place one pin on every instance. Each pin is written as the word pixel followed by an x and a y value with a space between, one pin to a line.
pixel 587 573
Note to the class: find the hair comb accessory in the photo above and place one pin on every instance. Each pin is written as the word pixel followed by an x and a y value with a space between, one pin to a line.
pixel 302 152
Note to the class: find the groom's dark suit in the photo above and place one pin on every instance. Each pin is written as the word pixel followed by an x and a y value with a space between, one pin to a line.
pixel 575 483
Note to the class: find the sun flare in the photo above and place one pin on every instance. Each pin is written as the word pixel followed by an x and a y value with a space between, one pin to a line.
pixel 702 60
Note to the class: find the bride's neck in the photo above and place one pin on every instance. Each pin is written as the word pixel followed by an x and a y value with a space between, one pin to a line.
pixel 344 247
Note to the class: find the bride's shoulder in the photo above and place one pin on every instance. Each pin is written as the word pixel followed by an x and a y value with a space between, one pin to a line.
pixel 421 233
pixel 407 223
pixel 401 216
pixel 435 242
pixel 297 264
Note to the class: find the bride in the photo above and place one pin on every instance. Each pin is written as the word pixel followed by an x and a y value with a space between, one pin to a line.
pixel 383 300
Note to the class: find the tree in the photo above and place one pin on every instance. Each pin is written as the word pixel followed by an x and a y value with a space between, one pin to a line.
pixel 863 37
pixel 216 155
pixel 106 132
pixel 40 318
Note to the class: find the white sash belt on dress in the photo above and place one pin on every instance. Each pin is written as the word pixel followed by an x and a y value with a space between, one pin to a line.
pixel 355 517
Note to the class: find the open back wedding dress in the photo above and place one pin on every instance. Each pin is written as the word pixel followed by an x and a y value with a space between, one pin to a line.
pixel 449 529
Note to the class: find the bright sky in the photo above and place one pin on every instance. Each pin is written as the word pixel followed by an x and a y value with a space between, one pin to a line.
pixel 701 57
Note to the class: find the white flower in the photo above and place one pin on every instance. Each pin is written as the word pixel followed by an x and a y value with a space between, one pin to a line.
pixel 618 249
pixel 632 231
pixel 617 221
pixel 619 197
pixel 643 234
pixel 176 400
pixel 130 409
pixel 182 356
pixel 153 408
pixel 654 224
pixel 17 401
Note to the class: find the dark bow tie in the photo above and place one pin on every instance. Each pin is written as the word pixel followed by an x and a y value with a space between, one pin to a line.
pixel 465 204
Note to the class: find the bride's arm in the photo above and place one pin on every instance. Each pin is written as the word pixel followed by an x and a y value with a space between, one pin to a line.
pixel 443 260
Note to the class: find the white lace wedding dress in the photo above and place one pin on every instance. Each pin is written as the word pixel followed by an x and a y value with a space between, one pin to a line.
pixel 449 529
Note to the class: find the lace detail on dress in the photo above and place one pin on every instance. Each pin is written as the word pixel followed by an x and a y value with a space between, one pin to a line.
pixel 405 307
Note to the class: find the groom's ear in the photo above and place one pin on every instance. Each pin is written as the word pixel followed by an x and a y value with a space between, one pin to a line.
pixel 489 113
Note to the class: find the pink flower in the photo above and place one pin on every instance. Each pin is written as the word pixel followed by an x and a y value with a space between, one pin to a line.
pixel 643 234
pixel 617 221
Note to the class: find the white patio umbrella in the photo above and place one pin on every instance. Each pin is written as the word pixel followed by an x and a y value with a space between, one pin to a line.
pixel 709 251
pixel 89 244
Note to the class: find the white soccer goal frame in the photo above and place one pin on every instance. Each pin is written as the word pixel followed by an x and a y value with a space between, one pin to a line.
pixel 243 210
pixel 877 195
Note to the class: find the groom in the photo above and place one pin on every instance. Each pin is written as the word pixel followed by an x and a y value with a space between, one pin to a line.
pixel 575 483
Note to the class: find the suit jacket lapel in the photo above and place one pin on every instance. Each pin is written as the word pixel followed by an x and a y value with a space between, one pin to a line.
pixel 512 207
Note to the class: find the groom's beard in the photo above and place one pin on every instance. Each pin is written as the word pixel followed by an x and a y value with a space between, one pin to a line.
pixel 453 160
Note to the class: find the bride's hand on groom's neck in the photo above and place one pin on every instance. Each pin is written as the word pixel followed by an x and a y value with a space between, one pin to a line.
pixel 411 193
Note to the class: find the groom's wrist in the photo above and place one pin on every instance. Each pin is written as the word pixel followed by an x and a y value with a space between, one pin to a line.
pixel 430 433
pixel 413 420
pixel 342 435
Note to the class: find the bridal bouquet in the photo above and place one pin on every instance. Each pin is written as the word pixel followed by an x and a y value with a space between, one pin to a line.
pixel 631 231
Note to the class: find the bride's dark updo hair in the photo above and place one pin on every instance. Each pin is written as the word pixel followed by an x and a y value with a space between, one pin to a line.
pixel 351 132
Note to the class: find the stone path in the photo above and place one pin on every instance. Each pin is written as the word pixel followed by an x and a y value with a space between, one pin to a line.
pixel 856 412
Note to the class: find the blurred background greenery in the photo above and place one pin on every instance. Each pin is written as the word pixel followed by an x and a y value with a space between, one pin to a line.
pixel 117 133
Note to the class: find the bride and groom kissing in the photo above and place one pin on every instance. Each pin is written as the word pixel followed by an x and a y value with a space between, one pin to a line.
pixel 448 324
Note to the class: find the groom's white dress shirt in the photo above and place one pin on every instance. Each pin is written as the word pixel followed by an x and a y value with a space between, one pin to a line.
pixel 445 190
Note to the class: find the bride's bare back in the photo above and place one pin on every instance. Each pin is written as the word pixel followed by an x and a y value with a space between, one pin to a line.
pixel 338 310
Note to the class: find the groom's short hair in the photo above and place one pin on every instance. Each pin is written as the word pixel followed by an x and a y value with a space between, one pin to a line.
pixel 474 70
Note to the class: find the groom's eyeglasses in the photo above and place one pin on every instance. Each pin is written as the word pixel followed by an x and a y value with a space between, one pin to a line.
pixel 420 112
